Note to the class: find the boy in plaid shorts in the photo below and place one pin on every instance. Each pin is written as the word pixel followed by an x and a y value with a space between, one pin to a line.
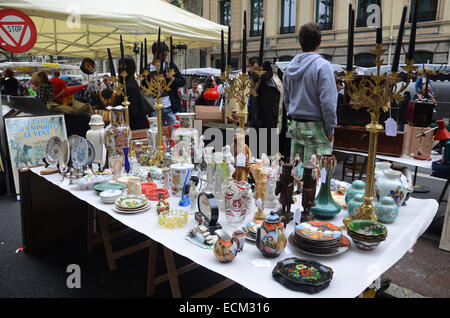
pixel 310 97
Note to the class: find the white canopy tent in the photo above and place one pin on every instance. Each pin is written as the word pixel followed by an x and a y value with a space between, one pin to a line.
pixel 86 28
pixel 33 66
pixel 201 71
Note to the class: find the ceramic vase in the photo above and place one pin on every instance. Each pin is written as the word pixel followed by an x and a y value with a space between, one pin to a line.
pixel 324 205
pixel 237 201
pixel 380 167
pixel 386 210
pixel 358 186
pixel 219 177
pixel 96 135
pixel 354 204
pixel 390 184
pixel 126 164
pixel 118 133
pixel 186 136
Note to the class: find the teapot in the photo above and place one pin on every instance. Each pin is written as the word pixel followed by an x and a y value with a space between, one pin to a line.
pixel 270 237
pixel 226 247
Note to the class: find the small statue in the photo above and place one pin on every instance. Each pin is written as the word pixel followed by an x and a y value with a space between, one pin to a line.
pixel 185 157
pixel 229 160
pixel 275 165
pixel 285 187
pixel 193 194
pixel 309 191
pixel 298 168
pixel 162 205
pixel 149 177
pixel 203 231
pixel 166 172
pixel 242 157
pixel 259 174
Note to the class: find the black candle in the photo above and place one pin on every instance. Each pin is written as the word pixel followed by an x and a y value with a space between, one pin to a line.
pixel 261 47
pixel 121 52
pixel 380 26
pixel 111 63
pixel 412 40
pixel 141 60
pixel 229 47
pixel 244 45
pixel 398 48
pixel 146 54
pixel 158 47
pixel 161 54
pixel 222 53
pixel 351 34
pixel 171 54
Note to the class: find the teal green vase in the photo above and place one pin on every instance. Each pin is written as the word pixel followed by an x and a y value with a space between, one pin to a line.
pixel 324 205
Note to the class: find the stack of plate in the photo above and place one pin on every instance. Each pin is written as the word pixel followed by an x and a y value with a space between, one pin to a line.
pixel 367 234
pixel 131 204
pixel 110 196
pixel 112 185
pixel 319 239
pixel 303 275
pixel 250 231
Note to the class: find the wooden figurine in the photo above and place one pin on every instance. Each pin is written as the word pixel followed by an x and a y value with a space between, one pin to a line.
pixel 285 188
pixel 309 191
pixel 242 157
pixel 259 174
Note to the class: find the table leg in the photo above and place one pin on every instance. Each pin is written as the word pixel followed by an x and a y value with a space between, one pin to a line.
pixel 151 268
pixel 418 188
pixel 172 272
pixel 90 230
pixel 102 220
pixel 445 236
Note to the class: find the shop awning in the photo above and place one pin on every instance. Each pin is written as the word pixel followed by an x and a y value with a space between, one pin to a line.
pixel 86 28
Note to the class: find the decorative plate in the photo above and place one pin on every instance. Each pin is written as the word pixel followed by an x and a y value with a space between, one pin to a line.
pixel 131 202
pixel 80 151
pixel 53 150
pixel 65 156
pixel 109 186
pixel 89 181
pixel 111 193
pixel 249 235
pixel 303 275
pixel 144 208
pixel 344 245
pixel 368 228
pixel 318 231
pixel 91 153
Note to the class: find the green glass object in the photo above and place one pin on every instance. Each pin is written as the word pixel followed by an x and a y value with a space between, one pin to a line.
pixel 324 205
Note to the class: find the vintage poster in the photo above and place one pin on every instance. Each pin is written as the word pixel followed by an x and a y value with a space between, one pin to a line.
pixel 27 140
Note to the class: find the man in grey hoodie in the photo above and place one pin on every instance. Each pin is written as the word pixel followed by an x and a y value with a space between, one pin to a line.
pixel 310 97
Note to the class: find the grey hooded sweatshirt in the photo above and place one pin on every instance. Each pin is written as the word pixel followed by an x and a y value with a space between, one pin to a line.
pixel 310 91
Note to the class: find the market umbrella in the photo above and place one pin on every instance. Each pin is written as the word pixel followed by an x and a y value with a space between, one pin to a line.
pixel 86 28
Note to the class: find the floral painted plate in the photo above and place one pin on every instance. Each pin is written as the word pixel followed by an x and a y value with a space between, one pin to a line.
pixel 132 211
pixel 303 275
pixel 80 151
pixel 91 153
pixel 131 202
pixel 343 246
pixel 53 150
pixel 318 231
pixel 368 228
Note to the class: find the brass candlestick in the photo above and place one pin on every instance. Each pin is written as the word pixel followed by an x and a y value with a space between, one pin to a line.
pixel 374 93
pixel 157 85
pixel 121 89
pixel 238 89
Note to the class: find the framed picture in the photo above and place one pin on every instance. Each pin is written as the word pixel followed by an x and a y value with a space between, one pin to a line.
pixel 27 139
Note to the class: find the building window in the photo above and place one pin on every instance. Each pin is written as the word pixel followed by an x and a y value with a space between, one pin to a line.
pixel 288 16
pixel 285 58
pixel 324 14
pixel 427 10
pixel 225 12
pixel 365 60
pixel 423 57
pixel 362 14
pixel 327 57
pixel 256 17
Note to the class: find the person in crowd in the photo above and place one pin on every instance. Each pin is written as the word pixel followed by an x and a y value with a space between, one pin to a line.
pixel 9 84
pixel 45 88
pixel 91 93
pixel 59 86
pixel 201 100
pixel 426 94
pixel 171 99
pixel 136 111
pixel 193 94
pixel 340 90
pixel 106 82
pixel 421 81
pixel 403 107
pixel 310 97
pixel 73 82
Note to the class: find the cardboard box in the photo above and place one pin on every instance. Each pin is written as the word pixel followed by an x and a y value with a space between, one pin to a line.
pixel 412 142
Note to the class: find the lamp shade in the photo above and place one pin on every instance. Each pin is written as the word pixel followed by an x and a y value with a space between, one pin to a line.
pixel 442 133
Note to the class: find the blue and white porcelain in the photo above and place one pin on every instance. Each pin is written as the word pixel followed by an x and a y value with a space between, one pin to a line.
pixel 79 151
pixel 91 153
pixel 358 186
pixel 386 210
pixel 354 204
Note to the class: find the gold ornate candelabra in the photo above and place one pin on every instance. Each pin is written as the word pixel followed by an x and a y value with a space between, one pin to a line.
pixel 156 86
pixel 374 93
pixel 240 89
pixel 121 89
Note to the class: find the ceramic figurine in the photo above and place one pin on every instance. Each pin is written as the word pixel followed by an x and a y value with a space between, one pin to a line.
pixel 358 186
pixel 152 133
pixel 259 174
pixel 96 135
pixel 354 204
pixel 193 194
pixel 285 188
pixel 149 177
pixel 390 184
pixel 275 165
pixel 185 157
pixel 226 247
pixel 162 206
pixel 309 191
pixel 202 231
pixel 229 159
pixel 186 136
pixel 237 201
pixel 271 201
pixel 270 237
pixel 242 156
pixel 208 157
pixel 324 205
pixel 240 236
pixel 219 177
pixel 166 176
pixel 386 210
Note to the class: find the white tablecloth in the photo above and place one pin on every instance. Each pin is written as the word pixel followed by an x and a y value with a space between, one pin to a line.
pixel 354 270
